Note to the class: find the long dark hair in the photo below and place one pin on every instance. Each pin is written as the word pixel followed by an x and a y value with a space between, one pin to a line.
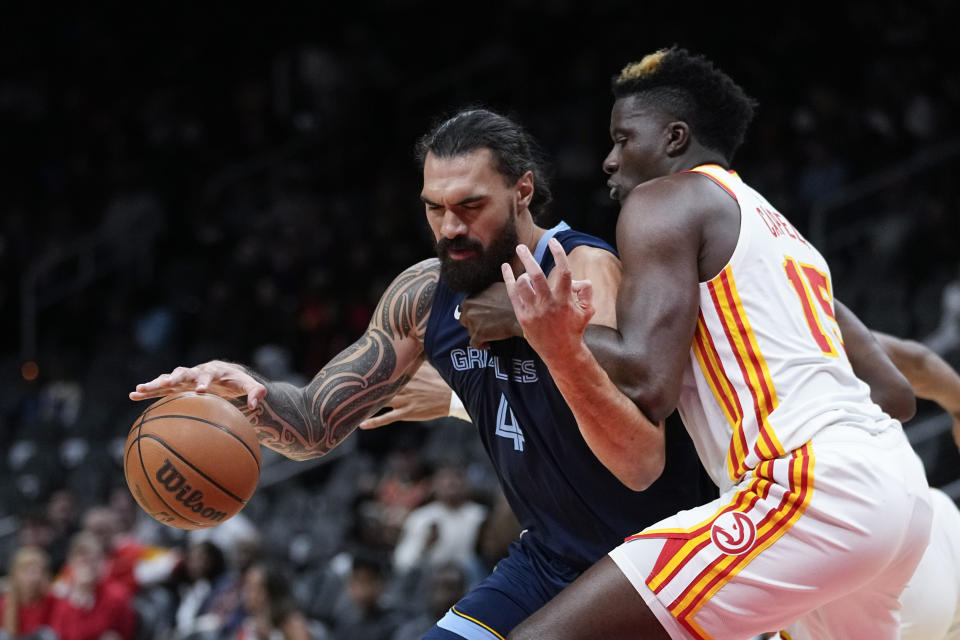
pixel 514 150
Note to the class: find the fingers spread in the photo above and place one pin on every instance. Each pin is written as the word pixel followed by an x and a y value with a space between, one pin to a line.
pixel 560 258
pixel 534 274
pixel 510 281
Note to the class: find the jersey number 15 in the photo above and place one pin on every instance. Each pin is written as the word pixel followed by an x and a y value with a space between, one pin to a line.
pixel 812 286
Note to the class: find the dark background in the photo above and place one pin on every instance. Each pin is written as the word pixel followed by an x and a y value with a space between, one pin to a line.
pixel 181 183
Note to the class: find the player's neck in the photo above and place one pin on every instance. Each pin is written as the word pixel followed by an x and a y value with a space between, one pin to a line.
pixel 698 157
pixel 528 233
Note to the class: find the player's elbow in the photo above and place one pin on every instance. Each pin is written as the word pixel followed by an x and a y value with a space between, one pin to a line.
pixel 299 454
pixel 899 402
pixel 641 461
pixel 894 395
pixel 656 403
pixel 639 477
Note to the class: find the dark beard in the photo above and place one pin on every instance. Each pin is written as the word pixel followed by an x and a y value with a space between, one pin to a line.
pixel 476 274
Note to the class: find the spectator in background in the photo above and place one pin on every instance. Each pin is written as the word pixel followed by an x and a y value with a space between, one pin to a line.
pixel 27 603
pixel 203 578
pixel 445 583
pixel 130 563
pixel 34 529
pixel 404 486
pixel 224 607
pixel 89 606
pixel 61 513
pixel 445 529
pixel 364 613
pixel 270 610
pixel 133 523
pixel 238 537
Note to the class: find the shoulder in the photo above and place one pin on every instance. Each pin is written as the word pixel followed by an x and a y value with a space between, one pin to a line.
pixel 591 249
pixel 687 194
pixel 427 266
pixel 419 279
pixel 572 238
pixel 673 208
pixel 589 258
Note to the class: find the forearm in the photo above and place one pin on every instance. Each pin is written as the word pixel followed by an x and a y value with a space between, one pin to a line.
pixel 629 444
pixel 606 345
pixel 307 422
pixel 283 423
pixel 627 371
pixel 303 423
pixel 931 377
pixel 889 388
pixel 936 380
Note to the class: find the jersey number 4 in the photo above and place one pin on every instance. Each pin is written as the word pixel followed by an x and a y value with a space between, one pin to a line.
pixel 507 425
pixel 813 289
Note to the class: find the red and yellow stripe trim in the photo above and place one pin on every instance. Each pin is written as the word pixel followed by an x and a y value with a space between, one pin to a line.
pixel 777 522
pixel 683 544
pixel 718 174
pixel 686 543
pixel 723 391
pixel 753 366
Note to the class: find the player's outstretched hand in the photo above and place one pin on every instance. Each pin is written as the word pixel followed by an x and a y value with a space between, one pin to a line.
pixel 555 313
pixel 224 379
pixel 425 397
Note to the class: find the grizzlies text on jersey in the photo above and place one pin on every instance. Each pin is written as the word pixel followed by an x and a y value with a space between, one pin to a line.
pixel 571 507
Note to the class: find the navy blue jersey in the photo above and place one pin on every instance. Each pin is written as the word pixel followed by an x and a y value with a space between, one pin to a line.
pixel 570 505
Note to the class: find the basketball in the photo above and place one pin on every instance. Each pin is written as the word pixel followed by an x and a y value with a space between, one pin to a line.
pixel 192 460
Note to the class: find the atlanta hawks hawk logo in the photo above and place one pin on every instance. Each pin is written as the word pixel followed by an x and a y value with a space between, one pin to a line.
pixel 733 533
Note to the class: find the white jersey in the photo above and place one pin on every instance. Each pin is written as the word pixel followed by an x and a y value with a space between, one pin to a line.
pixel 823 513
pixel 767 365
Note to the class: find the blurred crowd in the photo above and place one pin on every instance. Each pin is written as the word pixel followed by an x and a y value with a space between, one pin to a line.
pixel 373 555
pixel 175 192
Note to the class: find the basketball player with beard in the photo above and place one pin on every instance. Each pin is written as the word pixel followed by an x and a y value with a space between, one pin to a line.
pixel 483 190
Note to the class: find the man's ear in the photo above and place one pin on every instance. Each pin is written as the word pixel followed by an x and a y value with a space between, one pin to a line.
pixel 678 137
pixel 525 187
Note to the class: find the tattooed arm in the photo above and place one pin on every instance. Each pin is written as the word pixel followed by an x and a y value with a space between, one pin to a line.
pixel 307 422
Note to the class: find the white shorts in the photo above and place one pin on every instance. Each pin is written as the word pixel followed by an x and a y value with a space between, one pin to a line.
pixel 930 605
pixel 819 542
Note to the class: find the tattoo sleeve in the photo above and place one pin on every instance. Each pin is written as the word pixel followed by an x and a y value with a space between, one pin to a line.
pixel 303 423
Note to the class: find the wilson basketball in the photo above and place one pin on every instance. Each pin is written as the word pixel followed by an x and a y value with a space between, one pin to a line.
pixel 192 460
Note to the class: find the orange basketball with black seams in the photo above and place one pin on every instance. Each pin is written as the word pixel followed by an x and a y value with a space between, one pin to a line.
pixel 192 460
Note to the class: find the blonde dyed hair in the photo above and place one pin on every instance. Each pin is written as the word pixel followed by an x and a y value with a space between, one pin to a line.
pixel 689 87
pixel 647 66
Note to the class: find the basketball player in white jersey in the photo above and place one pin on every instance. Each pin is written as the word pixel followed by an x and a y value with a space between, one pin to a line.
pixel 930 603
pixel 931 600
pixel 726 313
